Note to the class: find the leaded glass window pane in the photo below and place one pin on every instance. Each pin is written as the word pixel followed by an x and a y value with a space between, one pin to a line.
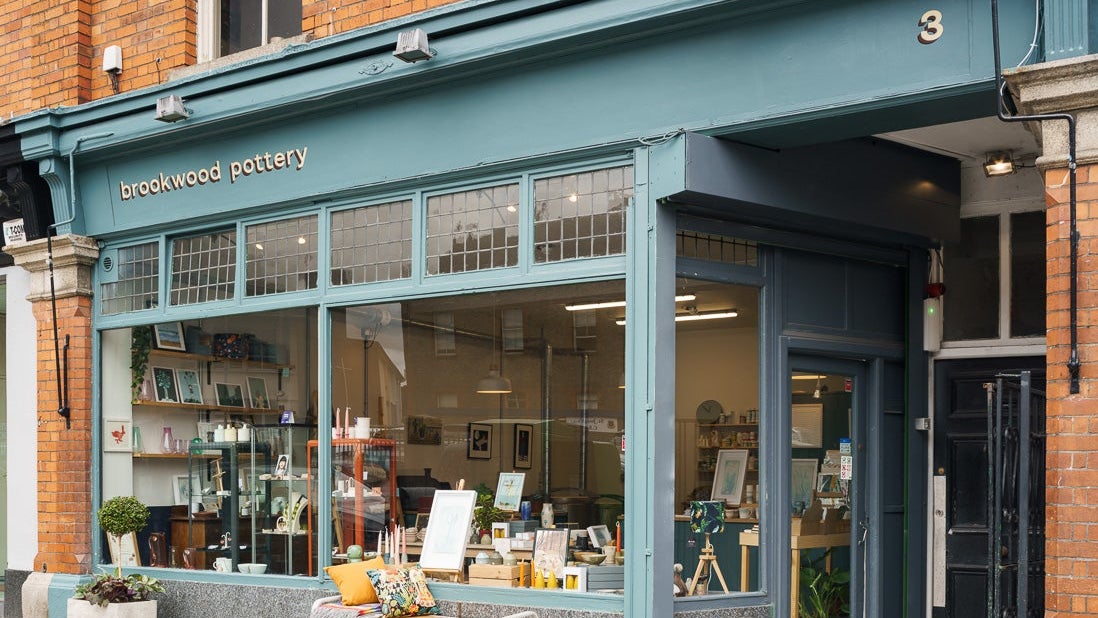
pixel 138 270
pixel 203 267
pixel 473 230
pixel 281 256
pixel 581 215
pixel 372 243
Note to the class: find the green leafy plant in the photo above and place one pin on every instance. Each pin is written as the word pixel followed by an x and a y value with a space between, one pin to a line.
pixel 486 512
pixel 107 588
pixel 823 594
pixel 119 516
pixel 140 344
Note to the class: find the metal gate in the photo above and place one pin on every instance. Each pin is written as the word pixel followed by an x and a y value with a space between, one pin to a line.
pixel 1016 498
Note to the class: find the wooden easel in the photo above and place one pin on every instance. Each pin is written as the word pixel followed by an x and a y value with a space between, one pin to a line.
pixel 707 561
pixel 449 575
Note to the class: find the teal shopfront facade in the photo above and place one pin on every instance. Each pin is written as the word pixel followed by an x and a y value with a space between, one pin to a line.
pixel 702 127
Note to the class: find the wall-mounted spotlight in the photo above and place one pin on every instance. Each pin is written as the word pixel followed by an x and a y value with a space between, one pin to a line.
pixel 170 109
pixel 112 64
pixel 412 46
pixel 999 163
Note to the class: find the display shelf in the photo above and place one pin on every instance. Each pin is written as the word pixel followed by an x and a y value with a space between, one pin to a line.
pixel 182 456
pixel 205 358
pixel 203 407
pixel 745 425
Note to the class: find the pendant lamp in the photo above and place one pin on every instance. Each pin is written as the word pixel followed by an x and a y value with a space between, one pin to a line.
pixel 494 383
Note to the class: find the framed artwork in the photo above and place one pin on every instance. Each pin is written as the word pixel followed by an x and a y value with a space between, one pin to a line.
pixel 802 480
pixel 728 476
pixel 807 425
pixel 448 530
pixel 551 550
pixel 170 336
pixel 117 435
pixel 424 430
pixel 230 395
pixel 509 490
pixel 479 441
pixel 164 381
pixel 599 535
pixel 184 487
pixel 524 439
pixel 257 393
pixel 190 388
pixel 124 549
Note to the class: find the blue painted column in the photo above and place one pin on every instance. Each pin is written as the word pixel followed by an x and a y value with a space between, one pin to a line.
pixel 650 429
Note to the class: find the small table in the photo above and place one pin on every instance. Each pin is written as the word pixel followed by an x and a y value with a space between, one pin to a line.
pixel 750 538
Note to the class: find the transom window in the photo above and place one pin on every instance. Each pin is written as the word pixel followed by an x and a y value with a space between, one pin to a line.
pixel 137 270
pixel 203 267
pixel 581 215
pixel 473 230
pixel 372 243
pixel 281 256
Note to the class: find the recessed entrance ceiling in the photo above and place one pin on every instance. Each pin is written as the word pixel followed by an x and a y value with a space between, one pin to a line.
pixel 969 140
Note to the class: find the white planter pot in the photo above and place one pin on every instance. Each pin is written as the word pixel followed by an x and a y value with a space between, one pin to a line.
pixel 79 608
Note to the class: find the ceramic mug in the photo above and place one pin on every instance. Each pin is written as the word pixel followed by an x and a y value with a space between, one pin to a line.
pixel 223 565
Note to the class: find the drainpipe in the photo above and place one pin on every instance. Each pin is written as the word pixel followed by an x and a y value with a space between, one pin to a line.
pixel 1073 293
pixel 62 378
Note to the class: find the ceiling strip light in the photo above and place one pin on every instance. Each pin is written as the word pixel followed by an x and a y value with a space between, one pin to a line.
pixel 620 303
pixel 690 317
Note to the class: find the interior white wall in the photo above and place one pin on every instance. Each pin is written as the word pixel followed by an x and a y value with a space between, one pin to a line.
pixel 22 399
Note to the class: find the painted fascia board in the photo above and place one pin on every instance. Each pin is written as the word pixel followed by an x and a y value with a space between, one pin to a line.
pixel 474 37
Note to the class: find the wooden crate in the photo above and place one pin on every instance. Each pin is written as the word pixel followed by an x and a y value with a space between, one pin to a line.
pixel 498 575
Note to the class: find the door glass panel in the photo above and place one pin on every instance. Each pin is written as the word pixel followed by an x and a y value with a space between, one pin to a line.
pixel 972 281
pixel 717 425
pixel 821 487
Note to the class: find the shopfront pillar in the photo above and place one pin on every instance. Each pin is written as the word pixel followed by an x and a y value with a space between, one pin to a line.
pixel 1071 563
pixel 64 446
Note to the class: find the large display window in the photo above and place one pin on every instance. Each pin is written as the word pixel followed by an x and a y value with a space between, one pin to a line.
pixel 517 395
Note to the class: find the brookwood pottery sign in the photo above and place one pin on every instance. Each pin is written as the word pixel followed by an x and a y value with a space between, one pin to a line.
pixel 292 159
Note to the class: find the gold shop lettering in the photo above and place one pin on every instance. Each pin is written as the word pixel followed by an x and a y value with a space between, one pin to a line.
pixel 292 159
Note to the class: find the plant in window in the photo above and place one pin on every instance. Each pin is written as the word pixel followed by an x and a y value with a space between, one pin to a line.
pixel 118 516
pixel 823 594
pixel 485 514
pixel 140 344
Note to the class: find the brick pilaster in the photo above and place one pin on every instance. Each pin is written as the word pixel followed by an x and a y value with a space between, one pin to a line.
pixel 64 452
pixel 1071 547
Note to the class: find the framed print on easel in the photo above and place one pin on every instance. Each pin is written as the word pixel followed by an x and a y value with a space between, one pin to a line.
pixel 448 530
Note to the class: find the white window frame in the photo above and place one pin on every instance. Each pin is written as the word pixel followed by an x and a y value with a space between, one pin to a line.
pixel 995 346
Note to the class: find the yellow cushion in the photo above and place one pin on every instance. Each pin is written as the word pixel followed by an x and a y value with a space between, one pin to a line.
pixel 352 581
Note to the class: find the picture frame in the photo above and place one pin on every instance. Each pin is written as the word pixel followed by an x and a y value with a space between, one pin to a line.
pixel 424 430
pixel 479 441
pixel 509 490
pixel 551 550
pixel 257 393
pixel 807 425
pixel 169 336
pixel 524 441
pixel 229 395
pixel 802 480
pixel 282 466
pixel 448 530
pixel 728 477
pixel 190 386
pixel 422 519
pixel 598 535
pixel 118 435
pixel 164 384
pixel 123 549
pixel 184 486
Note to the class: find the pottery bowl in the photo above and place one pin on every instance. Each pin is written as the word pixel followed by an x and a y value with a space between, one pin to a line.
pixel 591 558
pixel 252 567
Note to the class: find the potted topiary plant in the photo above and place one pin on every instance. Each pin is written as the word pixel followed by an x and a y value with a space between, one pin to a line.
pixel 114 595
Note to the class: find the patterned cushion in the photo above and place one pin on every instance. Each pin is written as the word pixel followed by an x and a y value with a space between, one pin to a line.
pixel 402 592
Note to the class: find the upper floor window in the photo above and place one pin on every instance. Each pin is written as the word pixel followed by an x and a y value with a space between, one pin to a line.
pixel 230 26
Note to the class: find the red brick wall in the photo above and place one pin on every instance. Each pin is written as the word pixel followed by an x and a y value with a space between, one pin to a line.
pixel 1071 584
pixel 327 17
pixel 64 455
pixel 53 49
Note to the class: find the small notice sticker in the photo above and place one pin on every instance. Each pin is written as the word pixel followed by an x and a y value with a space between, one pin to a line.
pixel 846 467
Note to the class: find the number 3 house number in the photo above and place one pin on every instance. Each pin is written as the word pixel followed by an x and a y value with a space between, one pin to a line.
pixel 931 23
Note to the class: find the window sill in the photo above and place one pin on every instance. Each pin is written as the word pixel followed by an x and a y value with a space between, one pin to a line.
pixel 238 58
